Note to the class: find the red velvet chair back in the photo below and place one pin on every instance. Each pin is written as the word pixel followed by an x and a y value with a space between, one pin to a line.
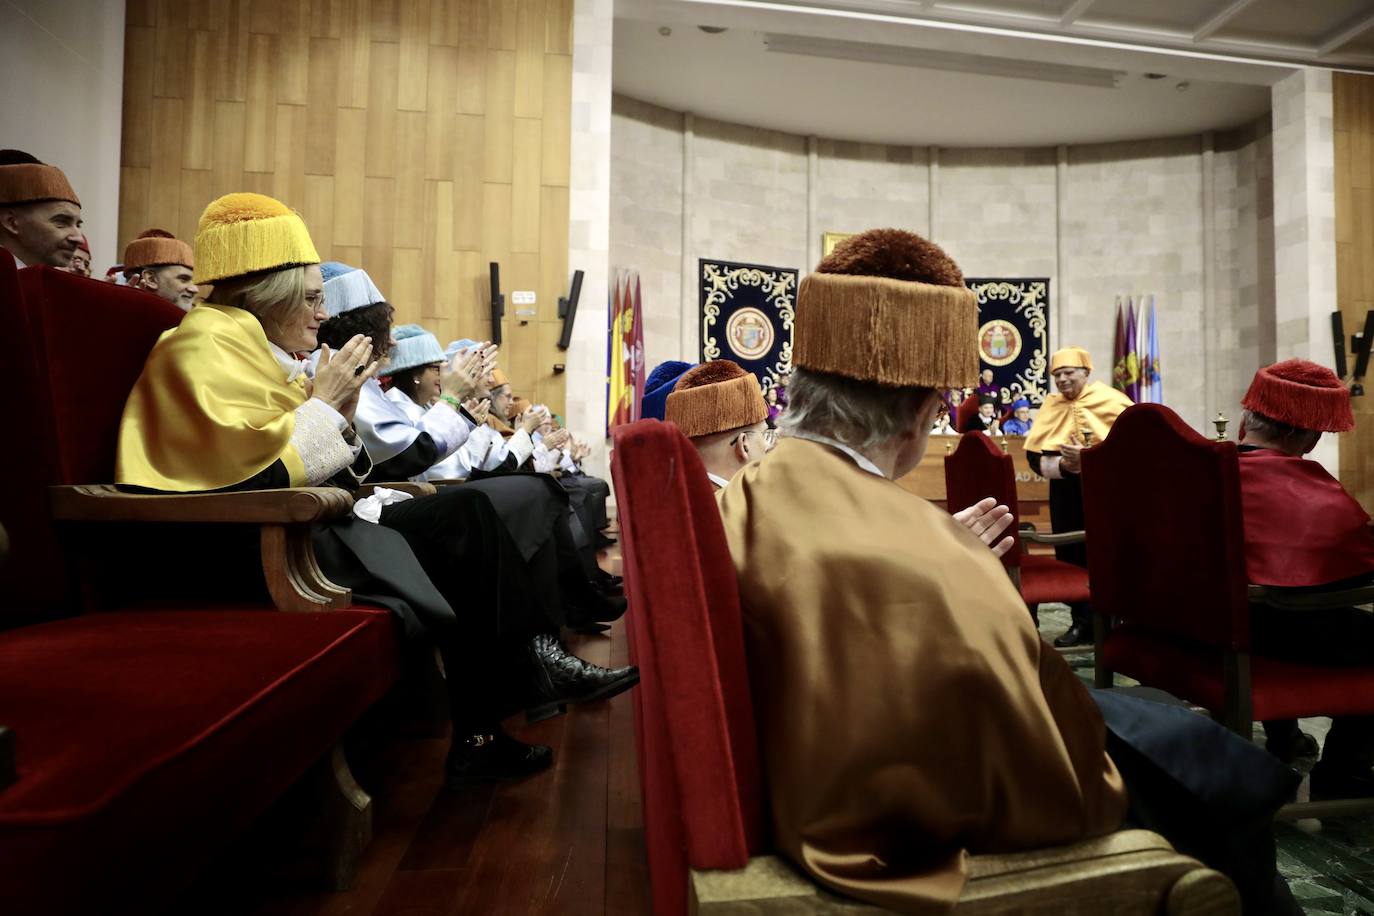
pixel 977 469
pixel 92 339
pixel 1168 550
pixel 80 345
pixel 965 411
pixel 698 747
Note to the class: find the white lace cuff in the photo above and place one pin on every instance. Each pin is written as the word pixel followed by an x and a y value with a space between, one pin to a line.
pixel 318 439
pixel 1049 468
pixel 521 446
pixel 446 427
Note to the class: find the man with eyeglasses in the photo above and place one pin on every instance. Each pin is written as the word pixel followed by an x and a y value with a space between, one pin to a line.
pixel 720 407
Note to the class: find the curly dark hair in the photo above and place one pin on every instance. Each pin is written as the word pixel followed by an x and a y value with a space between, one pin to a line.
pixel 371 321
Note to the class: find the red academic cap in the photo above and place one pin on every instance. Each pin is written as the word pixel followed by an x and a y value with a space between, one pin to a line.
pixel 1302 394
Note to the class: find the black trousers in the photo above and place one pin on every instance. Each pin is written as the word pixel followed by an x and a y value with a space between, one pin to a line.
pixel 465 550
pixel 588 496
pixel 1066 514
pixel 1334 637
pixel 1211 793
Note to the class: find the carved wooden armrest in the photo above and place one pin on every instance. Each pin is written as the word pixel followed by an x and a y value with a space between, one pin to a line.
pixel 1285 600
pixel 404 486
pixel 8 770
pixel 294 578
pixel 1029 533
pixel 1128 872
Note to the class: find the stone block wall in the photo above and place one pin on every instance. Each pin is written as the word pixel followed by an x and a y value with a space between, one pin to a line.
pixel 1100 221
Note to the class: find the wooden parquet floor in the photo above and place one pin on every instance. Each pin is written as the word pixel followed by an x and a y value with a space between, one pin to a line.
pixel 568 841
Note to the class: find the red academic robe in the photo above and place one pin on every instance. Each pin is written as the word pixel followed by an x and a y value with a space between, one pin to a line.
pixel 1301 527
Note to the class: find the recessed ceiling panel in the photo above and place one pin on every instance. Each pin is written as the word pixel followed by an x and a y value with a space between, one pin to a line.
pixel 818 87
pixel 1301 22
pixel 1166 15
pixel 1043 9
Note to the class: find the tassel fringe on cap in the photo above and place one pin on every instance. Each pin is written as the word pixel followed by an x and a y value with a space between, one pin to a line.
pixel 155 248
pixel 245 233
pixel 33 182
pixel 889 307
pixel 715 397
pixel 1302 394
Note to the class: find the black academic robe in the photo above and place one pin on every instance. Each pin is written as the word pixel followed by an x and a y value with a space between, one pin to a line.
pixel 448 570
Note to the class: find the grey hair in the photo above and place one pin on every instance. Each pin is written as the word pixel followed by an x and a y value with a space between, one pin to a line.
pixel 862 415
pixel 1277 431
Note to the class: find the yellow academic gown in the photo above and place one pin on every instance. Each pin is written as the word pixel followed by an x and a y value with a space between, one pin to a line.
pixel 1059 420
pixel 909 713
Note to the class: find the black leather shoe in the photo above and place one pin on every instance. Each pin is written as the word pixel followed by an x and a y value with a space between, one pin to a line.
pixel 607 584
pixel 488 758
pixel 594 604
pixel 1076 635
pixel 562 678
pixel 1291 748
pixel 602 541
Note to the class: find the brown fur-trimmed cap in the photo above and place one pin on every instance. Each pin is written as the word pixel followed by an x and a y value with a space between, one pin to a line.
pixel 890 307
pixel 25 182
pixel 715 397
pixel 157 247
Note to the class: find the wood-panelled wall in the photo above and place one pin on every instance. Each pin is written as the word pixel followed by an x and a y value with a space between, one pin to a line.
pixel 1354 178
pixel 419 139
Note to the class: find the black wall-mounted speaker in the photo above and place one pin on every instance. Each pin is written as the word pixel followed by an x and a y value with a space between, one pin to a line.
pixel 1362 353
pixel 1338 339
pixel 498 303
pixel 567 310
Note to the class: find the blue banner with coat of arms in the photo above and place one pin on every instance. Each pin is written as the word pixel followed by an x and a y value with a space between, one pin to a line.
pixel 1013 335
pixel 746 316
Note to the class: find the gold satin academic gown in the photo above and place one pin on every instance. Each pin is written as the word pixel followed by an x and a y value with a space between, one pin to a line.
pixel 1059 419
pixel 211 408
pixel 909 713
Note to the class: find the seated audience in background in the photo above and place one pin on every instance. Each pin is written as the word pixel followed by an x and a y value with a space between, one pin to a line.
pixel 223 403
pixel 719 406
pixel 985 420
pixel 658 386
pixel 498 447
pixel 942 425
pixel 988 389
pixel 557 449
pixel 81 259
pixel 1304 531
pixel 40 214
pixel 1020 421
pixel 1078 414
pixel 408 441
pixel 908 711
pixel 159 263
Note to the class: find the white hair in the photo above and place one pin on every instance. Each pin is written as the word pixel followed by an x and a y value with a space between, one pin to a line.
pixel 862 415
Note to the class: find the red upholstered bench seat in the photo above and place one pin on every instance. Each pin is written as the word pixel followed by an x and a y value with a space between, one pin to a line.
pixel 147 739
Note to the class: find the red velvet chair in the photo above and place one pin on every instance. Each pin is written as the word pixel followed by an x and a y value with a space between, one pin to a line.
pixel 698 750
pixel 977 469
pixel 1169 585
pixel 148 735
pixel 964 412
pixel 700 773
